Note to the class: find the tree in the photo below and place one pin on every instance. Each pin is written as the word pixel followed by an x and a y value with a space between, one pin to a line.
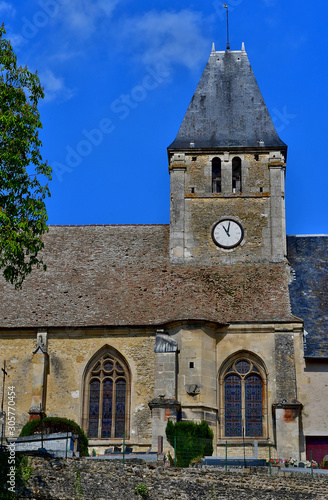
pixel 23 213
pixel 190 440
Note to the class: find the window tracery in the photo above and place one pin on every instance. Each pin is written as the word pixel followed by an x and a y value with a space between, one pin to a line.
pixel 107 397
pixel 243 398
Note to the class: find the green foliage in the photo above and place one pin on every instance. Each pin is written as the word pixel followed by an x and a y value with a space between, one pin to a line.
pixel 23 472
pixel 190 440
pixel 142 490
pixel 25 469
pixel 56 424
pixel 77 485
pixel 4 470
pixel 23 213
pixel 197 460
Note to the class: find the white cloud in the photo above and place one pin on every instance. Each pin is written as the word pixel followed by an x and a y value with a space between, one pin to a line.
pixel 168 38
pixel 54 87
pixel 16 39
pixel 82 16
pixel 65 54
pixel 7 8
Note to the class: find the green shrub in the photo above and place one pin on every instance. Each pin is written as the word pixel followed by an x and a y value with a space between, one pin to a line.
pixel 78 490
pixel 56 424
pixel 190 440
pixel 142 490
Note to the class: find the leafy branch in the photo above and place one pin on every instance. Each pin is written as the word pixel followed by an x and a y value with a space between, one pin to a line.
pixel 23 216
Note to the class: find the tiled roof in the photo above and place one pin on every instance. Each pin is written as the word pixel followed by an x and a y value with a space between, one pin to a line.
pixel 121 275
pixel 308 256
pixel 227 109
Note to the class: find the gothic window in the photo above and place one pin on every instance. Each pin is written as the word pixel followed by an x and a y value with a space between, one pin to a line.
pixel 216 175
pixel 107 397
pixel 236 175
pixel 243 398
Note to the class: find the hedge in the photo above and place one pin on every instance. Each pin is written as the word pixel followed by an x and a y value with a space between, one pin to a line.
pixel 190 441
pixel 56 424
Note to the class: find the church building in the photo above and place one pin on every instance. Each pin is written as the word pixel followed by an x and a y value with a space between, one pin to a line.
pixel 216 316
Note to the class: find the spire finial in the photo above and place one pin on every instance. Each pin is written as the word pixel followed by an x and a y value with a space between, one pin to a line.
pixel 213 47
pixel 243 47
pixel 226 7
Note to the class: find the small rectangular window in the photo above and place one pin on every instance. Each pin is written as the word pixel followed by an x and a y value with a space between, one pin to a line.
pixel 216 175
pixel 191 364
pixel 236 175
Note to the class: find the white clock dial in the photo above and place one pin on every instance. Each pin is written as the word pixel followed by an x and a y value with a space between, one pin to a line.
pixel 227 233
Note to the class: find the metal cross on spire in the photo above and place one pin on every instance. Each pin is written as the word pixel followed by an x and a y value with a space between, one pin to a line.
pixel 226 7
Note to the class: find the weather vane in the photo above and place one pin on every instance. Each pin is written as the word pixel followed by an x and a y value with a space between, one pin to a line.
pixel 226 7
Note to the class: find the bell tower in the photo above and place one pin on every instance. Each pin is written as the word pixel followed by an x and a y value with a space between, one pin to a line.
pixel 227 170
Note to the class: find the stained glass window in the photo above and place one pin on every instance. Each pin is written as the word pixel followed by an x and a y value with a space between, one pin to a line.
pixel 243 366
pixel 106 425
pixel 119 368
pixel 108 397
pixel 243 400
pixel 233 406
pixel 253 405
pixel 108 366
pixel 120 408
pixel 94 408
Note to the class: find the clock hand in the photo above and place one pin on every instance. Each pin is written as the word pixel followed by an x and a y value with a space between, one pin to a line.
pixel 227 230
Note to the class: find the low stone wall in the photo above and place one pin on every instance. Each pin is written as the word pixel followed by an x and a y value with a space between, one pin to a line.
pixel 60 479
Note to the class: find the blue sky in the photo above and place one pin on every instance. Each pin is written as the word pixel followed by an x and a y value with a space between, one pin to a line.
pixel 119 75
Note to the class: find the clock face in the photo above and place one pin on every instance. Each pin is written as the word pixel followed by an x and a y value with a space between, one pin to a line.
pixel 227 233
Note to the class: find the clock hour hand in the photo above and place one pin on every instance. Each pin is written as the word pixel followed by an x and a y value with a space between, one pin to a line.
pixel 227 230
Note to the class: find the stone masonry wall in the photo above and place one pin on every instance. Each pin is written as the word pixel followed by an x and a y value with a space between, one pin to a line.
pixel 69 354
pixel 84 479
pixel 259 207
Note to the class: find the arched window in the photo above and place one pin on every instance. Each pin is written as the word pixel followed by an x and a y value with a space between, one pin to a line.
pixel 236 175
pixel 243 397
pixel 216 175
pixel 107 395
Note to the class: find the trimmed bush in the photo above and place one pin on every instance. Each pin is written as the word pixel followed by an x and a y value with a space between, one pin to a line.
pixel 190 440
pixel 50 425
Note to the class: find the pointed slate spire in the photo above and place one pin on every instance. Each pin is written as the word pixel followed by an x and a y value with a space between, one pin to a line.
pixel 227 109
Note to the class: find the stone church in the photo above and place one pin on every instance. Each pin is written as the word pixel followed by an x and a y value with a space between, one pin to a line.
pixel 216 316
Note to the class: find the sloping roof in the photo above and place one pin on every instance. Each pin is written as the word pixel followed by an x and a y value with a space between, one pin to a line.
pixel 227 109
pixel 121 275
pixel 308 256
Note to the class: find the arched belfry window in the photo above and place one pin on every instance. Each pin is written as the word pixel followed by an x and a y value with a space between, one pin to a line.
pixel 236 175
pixel 216 175
pixel 243 397
pixel 107 397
